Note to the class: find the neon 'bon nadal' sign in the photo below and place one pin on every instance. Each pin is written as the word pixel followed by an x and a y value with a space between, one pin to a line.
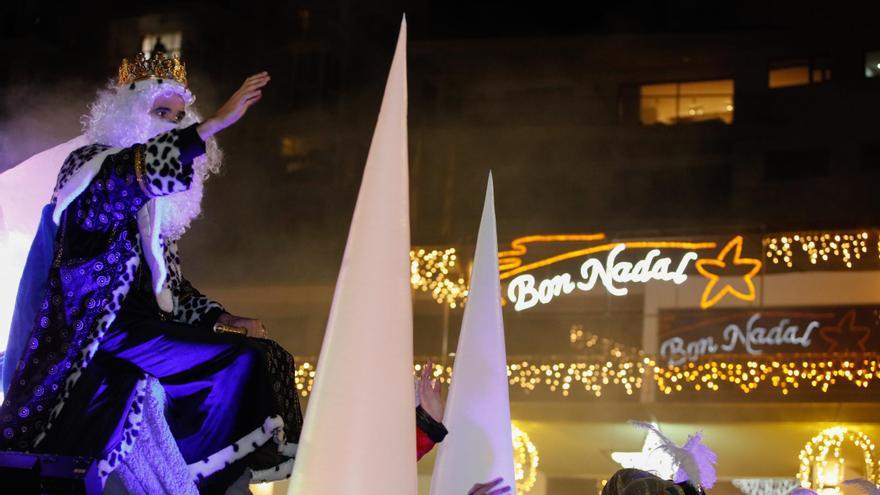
pixel 525 291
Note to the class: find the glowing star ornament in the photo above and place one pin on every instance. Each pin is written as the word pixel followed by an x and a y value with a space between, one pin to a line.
pixel 729 260
pixel 652 458
pixel 846 335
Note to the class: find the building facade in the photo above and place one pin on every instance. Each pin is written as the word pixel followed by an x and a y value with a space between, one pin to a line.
pixel 686 213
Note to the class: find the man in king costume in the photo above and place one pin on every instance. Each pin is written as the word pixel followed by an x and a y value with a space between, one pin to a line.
pixel 102 306
pixel 109 305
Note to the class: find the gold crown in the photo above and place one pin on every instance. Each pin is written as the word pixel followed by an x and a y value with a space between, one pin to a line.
pixel 157 67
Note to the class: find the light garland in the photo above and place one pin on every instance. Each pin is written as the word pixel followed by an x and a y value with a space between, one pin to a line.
pixel 435 271
pixel 821 247
pixel 304 378
pixel 829 442
pixel 525 461
pixel 595 375
pixel 565 377
pixel 784 375
pixel 557 376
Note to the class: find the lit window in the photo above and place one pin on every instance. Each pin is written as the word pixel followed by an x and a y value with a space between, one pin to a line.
pixel 659 103
pixel 674 103
pixel 170 43
pixel 801 72
pixel 785 77
pixel 872 64
pixel 821 75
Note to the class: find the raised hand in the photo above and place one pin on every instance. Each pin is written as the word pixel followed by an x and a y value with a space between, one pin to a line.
pixel 429 393
pixel 238 104
pixel 489 488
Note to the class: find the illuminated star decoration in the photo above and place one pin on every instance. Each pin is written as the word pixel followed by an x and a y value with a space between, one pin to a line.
pixel 721 266
pixel 844 333
pixel 652 458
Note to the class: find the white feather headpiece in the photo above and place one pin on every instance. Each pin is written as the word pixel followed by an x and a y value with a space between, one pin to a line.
pixel 695 461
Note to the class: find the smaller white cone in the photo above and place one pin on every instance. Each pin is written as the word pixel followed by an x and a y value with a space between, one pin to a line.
pixel 479 446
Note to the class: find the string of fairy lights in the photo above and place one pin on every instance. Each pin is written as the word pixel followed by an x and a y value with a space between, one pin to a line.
pixel 606 364
pixel 525 460
pixel 822 452
pixel 820 248
pixel 438 272
pixel 595 377
pixel 783 374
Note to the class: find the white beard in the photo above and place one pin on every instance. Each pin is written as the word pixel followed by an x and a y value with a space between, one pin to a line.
pixel 177 211
pixel 121 118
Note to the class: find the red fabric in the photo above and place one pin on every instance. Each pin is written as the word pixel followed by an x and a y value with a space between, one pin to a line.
pixel 424 444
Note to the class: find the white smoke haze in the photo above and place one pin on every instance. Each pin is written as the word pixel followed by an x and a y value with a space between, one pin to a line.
pixel 35 117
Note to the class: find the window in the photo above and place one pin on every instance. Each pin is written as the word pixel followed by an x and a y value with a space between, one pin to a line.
pixel 696 101
pixel 789 73
pixel 872 64
pixel 785 77
pixel 169 43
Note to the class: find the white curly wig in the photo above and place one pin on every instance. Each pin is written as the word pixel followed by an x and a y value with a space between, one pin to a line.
pixel 120 116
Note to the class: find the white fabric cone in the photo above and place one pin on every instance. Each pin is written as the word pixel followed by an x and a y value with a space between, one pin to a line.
pixel 359 431
pixel 479 446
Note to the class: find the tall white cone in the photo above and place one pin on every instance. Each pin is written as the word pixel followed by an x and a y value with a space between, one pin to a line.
pixel 359 431
pixel 479 446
